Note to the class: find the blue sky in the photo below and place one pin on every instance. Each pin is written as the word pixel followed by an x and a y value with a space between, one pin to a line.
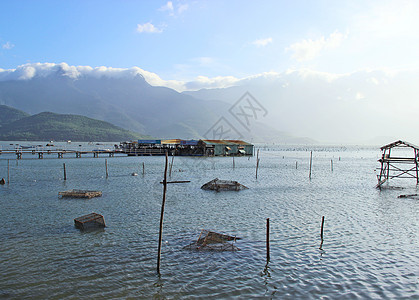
pixel 181 40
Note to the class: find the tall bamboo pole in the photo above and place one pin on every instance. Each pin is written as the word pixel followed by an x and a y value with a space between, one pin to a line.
pixel 162 213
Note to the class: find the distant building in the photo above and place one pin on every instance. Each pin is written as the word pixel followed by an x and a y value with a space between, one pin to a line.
pixel 180 147
pixel 226 147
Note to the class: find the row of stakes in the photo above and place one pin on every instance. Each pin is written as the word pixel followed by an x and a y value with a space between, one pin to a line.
pixel 2 181
pixel 165 182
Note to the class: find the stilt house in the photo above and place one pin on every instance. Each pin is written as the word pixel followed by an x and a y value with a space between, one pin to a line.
pixel 398 160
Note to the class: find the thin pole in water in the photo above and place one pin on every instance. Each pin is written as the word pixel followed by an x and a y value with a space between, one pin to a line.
pixel 311 161
pixel 143 168
pixel 268 256
pixel 233 163
pixel 331 164
pixel 162 213
pixel 321 231
pixel 65 174
pixel 257 164
pixel 8 172
pixel 106 168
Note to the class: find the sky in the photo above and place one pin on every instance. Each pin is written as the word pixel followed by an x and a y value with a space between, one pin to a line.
pixel 351 60
pixel 186 40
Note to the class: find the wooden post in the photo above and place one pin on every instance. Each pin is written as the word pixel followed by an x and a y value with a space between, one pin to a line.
pixel 8 172
pixel 143 168
pixel 321 231
pixel 416 163
pixel 106 167
pixel 296 165
pixel 268 256
pixel 311 161
pixel 162 213
pixel 233 163
pixel 257 164
pixel 331 164
pixel 65 174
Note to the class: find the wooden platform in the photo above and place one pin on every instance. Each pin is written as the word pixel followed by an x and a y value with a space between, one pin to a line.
pixel 90 221
pixel 223 185
pixel 80 194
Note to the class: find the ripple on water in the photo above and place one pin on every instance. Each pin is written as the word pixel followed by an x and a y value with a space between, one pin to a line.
pixel 369 248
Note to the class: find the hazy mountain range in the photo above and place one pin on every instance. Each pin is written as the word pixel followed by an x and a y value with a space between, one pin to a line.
pixel 131 103
pixel 363 106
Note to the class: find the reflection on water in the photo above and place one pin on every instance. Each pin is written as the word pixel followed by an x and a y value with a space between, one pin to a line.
pixel 370 236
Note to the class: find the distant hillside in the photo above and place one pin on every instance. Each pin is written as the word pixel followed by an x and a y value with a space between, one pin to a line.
pixel 51 126
pixel 9 114
pixel 129 102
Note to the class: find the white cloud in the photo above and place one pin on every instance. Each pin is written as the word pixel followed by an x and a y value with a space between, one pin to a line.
pixel 310 49
pixel 182 7
pixel 167 7
pixel 262 42
pixel 148 28
pixel 172 9
pixel 7 46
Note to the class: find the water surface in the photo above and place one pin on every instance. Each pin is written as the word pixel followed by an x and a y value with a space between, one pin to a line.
pixel 370 247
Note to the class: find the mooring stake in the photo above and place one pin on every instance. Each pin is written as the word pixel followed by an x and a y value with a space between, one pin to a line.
pixel 257 164
pixel 106 167
pixel 8 172
pixel 311 161
pixel 162 213
pixel 65 174
pixel 321 234
pixel 268 257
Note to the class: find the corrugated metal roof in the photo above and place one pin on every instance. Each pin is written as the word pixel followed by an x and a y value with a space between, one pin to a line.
pixel 398 143
pixel 225 142
pixel 172 141
pixel 239 142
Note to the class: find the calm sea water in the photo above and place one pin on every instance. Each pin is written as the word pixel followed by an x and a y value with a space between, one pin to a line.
pixel 370 248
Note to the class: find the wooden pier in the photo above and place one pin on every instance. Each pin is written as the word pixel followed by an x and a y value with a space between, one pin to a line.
pixel 60 153
pixel 174 147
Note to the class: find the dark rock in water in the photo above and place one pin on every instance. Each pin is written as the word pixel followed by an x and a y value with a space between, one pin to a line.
pixel 2 181
pixel 223 185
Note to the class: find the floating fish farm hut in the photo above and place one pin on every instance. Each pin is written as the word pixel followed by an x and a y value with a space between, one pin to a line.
pixel 178 147
pixel 398 164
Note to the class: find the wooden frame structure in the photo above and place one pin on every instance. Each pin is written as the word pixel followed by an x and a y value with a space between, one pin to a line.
pixel 398 167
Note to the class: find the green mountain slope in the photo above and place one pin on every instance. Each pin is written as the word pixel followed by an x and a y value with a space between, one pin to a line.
pixel 51 126
pixel 9 114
